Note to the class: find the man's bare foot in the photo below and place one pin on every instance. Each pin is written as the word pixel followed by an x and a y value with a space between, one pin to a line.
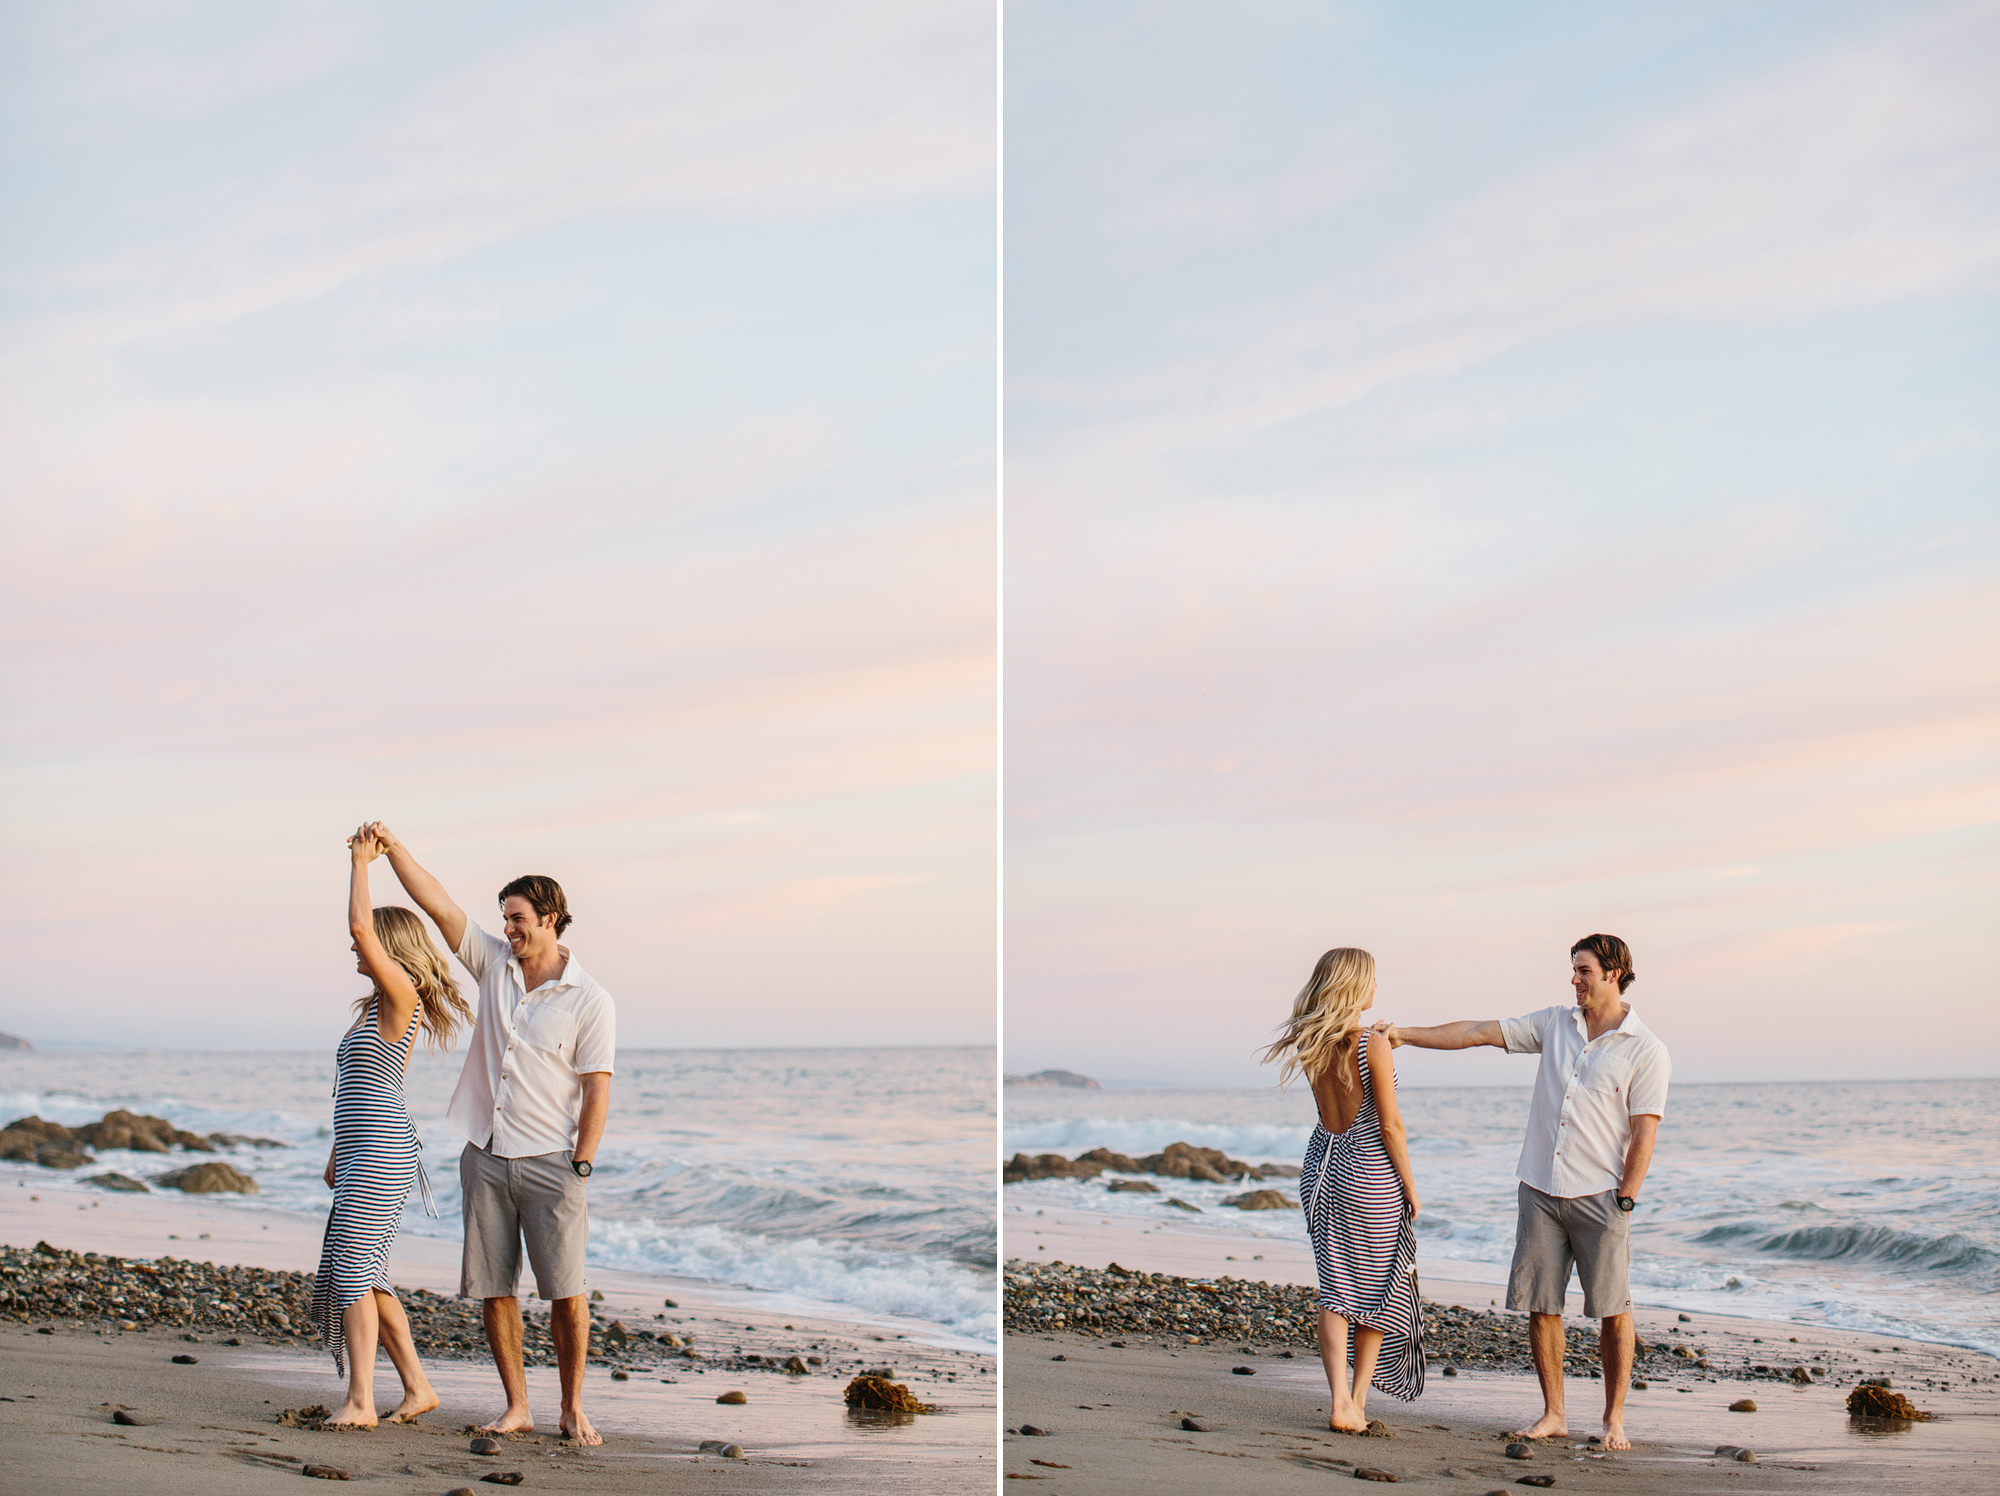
pixel 576 1428
pixel 1548 1426
pixel 351 1414
pixel 1614 1434
pixel 513 1421
pixel 414 1404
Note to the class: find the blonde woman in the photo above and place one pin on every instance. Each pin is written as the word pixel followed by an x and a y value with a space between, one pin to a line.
pixel 375 1156
pixel 1357 1189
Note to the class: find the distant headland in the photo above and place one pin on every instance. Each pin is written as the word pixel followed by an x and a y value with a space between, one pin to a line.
pixel 1054 1078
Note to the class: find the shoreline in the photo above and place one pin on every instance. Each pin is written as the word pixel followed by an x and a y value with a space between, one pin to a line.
pixel 67 1371
pixel 1123 1433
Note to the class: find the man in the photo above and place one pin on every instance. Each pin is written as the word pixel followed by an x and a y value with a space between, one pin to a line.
pixel 1599 1095
pixel 531 1102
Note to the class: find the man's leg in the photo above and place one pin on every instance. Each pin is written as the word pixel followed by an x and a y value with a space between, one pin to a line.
pixel 491 1273
pixel 1614 1346
pixel 555 1220
pixel 1538 1282
pixel 1602 1234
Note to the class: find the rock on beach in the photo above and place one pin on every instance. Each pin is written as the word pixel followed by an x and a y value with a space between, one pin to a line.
pixel 212 1178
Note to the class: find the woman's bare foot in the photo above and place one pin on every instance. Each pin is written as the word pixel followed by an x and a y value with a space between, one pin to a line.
pixel 1614 1434
pixel 1347 1421
pixel 576 1428
pixel 513 1421
pixel 1548 1426
pixel 352 1414
pixel 414 1405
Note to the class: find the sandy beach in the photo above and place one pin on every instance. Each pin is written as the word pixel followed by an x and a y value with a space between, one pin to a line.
pixel 1114 1410
pixel 215 1419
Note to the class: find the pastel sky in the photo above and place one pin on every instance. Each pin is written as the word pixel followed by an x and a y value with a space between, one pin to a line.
pixel 1478 475
pixel 566 433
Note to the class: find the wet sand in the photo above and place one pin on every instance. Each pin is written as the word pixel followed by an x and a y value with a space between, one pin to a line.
pixel 1114 1413
pixel 215 1419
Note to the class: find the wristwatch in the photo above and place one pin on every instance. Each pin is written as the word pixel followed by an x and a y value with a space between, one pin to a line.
pixel 582 1167
pixel 1625 1202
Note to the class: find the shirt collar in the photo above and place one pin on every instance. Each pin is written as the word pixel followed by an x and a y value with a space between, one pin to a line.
pixel 1630 1024
pixel 570 972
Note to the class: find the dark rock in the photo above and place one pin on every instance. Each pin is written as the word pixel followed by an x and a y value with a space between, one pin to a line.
pixel 1686 1319
pixel 1743 1405
pixel 1034 1432
pixel 504 1478
pixel 116 1182
pixel 670 1303
pixel 487 1446
pixel 1262 1200
pixel 1134 1186
pixel 1368 1472
pixel 1181 1205
pixel 1520 1451
pixel 1193 1426
pixel 1046 1166
pixel 212 1178
pixel 1451 1371
pixel 324 1472
pixel 616 1334
pixel 1243 1371
pixel 1800 1375
pixel 621 1376
pixel 20 1138
pixel 61 1156
pixel 123 1129
pixel 1117 1163
pixel 1185 1161
pixel 596 1297
pixel 186 1360
pixel 125 1418
pixel 796 1366
pixel 1536 1480
pixel 733 1398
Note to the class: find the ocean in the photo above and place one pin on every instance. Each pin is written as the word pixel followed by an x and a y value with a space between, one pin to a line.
pixel 856 1179
pixel 1872 1206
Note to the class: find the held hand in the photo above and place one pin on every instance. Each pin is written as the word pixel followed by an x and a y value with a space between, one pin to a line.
pixel 1388 1031
pixel 382 836
pixel 363 848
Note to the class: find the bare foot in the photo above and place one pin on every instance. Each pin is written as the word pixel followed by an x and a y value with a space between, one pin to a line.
pixel 1614 1434
pixel 1548 1426
pixel 351 1414
pixel 414 1404
pixel 1347 1421
pixel 513 1421
pixel 576 1428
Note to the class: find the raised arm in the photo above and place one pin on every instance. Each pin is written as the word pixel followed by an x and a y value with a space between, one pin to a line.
pixel 1382 1069
pixel 399 994
pixel 421 886
pixel 1469 1034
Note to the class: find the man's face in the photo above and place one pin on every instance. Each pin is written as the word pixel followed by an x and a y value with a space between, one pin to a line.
pixel 1587 977
pixel 528 934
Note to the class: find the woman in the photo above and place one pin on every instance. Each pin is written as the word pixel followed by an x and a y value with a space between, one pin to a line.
pixel 1357 1189
pixel 375 1155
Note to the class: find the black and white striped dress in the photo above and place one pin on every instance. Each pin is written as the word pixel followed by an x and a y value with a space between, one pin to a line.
pixel 376 1158
pixel 1364 1241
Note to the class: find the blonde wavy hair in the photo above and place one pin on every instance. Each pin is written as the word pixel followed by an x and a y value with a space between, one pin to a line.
pixel 1326 1018
pixel 441 1010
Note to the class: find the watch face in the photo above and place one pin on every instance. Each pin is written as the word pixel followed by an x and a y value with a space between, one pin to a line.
pixel 583 1169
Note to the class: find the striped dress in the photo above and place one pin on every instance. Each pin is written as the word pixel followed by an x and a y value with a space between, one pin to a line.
pixel 375 1160
pixel 1364 1241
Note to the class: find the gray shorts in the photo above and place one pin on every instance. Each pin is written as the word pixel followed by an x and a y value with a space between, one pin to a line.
pixel 506 1199
pixel 1552 1233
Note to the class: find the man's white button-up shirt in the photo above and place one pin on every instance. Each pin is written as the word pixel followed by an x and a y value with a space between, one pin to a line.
pixel 1586 1093
pixel 520 1091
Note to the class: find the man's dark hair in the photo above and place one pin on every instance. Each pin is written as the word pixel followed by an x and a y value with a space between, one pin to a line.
pixel 545 894
pixel 1612 954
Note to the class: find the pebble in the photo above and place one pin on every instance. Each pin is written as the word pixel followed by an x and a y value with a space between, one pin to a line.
pixel 325 1472
pixel 121 1416
pixel 186 1360
pixel 1365 1472
pixel 621 1375
pixel 504 1478
pixel 1194 1427
pixel 1536 1480
pixel 1743 1405
pixel 1519 1451
pixel 732 1397
pixel 1243 1371
pixel 486 1446
pixel 1034 1432
pixel 1736 1452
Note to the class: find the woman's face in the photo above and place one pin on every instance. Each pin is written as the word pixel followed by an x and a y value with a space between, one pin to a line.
pixel 362 966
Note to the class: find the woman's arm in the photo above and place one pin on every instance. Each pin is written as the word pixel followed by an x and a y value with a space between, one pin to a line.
pixel 399 995
pixel 1382 1070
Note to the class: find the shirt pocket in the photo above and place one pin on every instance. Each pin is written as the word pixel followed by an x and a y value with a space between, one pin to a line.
pixel 549 1028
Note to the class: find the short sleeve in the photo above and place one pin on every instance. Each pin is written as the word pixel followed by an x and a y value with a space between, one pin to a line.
pixel 1647 1095
pixel 1523 1035
pixel 596 1036
pixel 478 950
